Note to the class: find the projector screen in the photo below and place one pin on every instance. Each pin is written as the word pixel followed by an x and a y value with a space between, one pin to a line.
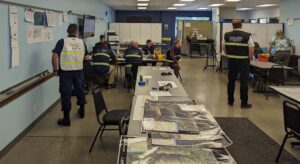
pixel 89 26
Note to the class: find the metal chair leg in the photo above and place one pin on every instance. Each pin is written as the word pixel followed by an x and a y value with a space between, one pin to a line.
pixel 102 131
pixel 281 147
pixel 91 148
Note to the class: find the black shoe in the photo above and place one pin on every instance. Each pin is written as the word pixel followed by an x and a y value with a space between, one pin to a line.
pixel 230 103
pixel 64 122
pixel 110 86
pixel 246 106
pixel 80 113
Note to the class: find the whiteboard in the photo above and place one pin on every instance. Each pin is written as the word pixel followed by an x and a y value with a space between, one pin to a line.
pixel 125 32
pixel 145 32
pixel 156 32
pixel 135 31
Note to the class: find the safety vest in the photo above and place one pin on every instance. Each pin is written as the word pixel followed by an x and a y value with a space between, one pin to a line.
pixel 71 57
pixel 101 60
pixel 236 43
pixel 133 56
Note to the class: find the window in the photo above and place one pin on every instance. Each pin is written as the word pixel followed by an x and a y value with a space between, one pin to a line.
pixel 189 18
pixel 253 21
pixel 262 20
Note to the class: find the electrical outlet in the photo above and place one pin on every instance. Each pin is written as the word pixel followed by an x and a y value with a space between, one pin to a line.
pixel 34 110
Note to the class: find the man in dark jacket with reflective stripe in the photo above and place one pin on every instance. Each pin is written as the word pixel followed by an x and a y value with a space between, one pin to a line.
pixel 132 55
pixel 103 59
pixel 239 48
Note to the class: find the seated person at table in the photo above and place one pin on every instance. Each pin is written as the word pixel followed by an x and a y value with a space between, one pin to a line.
pixel 103 43
pixel 257 50
pixel 132 55
pixel 103 59
pixel 173 57
pixel 283 47
pixel 149 48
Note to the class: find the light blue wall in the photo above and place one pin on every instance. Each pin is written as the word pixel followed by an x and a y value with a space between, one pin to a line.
pixel 290 9
pixel 34 58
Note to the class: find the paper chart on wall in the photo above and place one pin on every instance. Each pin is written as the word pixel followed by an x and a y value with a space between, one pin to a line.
pixel 15 61
pixel 50 16
pixel 60 19
pixel 37 34
pixel 29 15
pixel 13 9
pixel 13 20
pixel 14 36
pixel 65 17
pixel 48 34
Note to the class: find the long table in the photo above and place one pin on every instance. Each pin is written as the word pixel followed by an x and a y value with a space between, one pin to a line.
pixel 134 128
pixel 142 93
pixel 265 67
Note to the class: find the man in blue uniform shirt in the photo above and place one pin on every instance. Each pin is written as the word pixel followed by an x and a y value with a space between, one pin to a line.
pixel 67 62
pixel 149 48
pixel 173 57
pixel 132 55
pixel 103 43
pixel 102 60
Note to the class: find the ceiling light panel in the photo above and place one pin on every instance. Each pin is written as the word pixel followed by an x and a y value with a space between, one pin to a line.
pixel 179 4
pixel 266 5
pixel 142 4
pixel 216 5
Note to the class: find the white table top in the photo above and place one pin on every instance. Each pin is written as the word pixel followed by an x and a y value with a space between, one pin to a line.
pixel 265 65
pixel 155 73
pixel 290 92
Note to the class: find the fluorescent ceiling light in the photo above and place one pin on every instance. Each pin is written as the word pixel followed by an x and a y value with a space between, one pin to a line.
pixel 142 8
pixel 172 8
pixel 241 9
pixel 203 8
pixel 187 0
pixel 179 4
pixel 233 0
pixel 142 4
pixel 216 5
pixel 143 0
pixel 266 5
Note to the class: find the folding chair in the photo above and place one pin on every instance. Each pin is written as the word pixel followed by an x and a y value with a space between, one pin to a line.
pixel 110 118
pixel 291 114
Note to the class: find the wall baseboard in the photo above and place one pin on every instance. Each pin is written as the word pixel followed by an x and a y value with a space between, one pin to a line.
pixel 7 148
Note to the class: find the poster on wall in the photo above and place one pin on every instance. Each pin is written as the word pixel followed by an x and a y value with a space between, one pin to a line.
pixel 50 18
pixel 29 15
pixel 37 34
pixel 39 18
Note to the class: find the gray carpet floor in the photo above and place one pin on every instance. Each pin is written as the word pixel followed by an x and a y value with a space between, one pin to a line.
pixel 250 144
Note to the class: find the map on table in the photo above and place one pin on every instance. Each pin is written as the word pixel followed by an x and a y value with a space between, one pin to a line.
pixel 135 150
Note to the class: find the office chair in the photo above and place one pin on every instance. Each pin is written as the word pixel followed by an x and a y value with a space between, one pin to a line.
pixel 110 118
pixel 291 114
pixel 275 76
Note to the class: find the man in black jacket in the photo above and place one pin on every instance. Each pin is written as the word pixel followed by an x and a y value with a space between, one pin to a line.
pixel 239 48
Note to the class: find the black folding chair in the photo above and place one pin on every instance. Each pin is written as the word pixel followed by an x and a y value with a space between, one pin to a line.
pixel 291 113
pixel 275 76
pixel 131 78
pixel 110 118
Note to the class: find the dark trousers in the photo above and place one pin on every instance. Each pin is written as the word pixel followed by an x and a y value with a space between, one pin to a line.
pixel 241 67
pixel 67 82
